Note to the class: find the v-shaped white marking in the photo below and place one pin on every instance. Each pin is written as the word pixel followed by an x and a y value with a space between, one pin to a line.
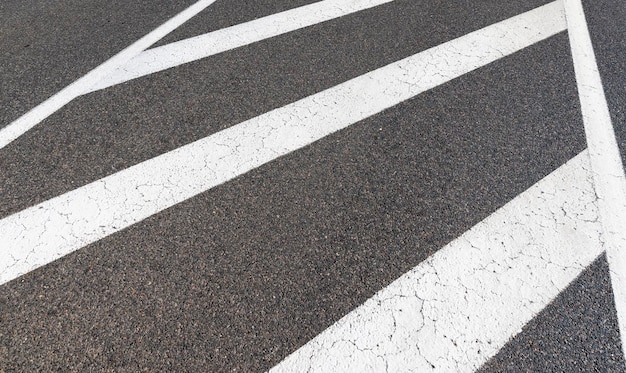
pixel 192 49
pixel 42 233
pixel 136 61
pixel 40 112
pixel 66 223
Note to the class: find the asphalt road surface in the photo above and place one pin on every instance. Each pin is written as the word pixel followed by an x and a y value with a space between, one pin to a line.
pixel 337 185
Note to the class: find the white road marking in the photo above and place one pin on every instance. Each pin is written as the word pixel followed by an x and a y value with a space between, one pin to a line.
pixel 455 310
pixel 42 233
pixel 40 112
pixel 606 164
pixel 198 47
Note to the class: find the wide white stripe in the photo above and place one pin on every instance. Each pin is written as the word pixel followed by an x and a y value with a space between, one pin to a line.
pixel 456 309
pixel 42 233
pixel 195 48
pixel 606 164
pixel 84 84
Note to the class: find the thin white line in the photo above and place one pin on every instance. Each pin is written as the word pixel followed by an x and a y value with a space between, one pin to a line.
pixel 455 310
pixel 42 233
pixel 606 164
pixel 84 84
pixel 192 49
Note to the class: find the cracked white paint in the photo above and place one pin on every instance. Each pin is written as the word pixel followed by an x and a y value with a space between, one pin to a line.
pixel 202 46
pixel 83 85
pixel 606 163
pixel 42 233
pixel 456 309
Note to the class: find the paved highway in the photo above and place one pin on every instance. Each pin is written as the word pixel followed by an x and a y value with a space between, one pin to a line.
pixel 336 185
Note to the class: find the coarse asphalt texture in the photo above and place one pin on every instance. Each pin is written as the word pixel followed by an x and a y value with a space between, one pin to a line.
pixel 240 276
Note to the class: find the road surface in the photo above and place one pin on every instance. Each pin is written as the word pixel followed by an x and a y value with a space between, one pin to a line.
pixel 340 185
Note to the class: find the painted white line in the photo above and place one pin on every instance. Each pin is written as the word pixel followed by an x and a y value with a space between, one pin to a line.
pixel 456 309
pixel 198 47
pixel 606 164
pixel 42 233
pixel 40 112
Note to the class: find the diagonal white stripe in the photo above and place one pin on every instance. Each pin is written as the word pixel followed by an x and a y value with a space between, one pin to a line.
pixel 29 120
pixel 36 236
pixel 192 49
pixel 606 164
pixel 456 309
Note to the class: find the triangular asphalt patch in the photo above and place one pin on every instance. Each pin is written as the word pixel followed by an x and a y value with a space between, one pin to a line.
pixel 577 332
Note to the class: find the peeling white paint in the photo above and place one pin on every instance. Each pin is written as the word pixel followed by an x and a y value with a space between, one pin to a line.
pixel 40 234
pixel 456 309
pixel 202 46
pixel 40 112
pixel 606 163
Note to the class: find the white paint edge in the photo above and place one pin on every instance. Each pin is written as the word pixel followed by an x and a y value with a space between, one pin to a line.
pixel 40 112
pixel 455 310
pixel 42 233
pixel 202 46
pixel 606 164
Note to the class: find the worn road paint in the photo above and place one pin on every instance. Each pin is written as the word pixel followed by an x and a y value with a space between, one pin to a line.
pixel 455 310
pixel 192 49
pixel 42 233
pixel 40 112
pixel 606 164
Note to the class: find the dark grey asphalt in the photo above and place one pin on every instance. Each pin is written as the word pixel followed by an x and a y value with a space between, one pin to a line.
pixel 241 275
pixel 576 333
pixel 108 131
pixel 607 26
pixel 46 45
pixel 221 14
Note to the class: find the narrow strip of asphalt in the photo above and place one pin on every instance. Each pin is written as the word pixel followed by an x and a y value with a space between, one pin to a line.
pixel 606 164
pixel 34 116
pixel 201 46
pixel 52 229
pixel 225 14
pixel 605 22
pixel 455 310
